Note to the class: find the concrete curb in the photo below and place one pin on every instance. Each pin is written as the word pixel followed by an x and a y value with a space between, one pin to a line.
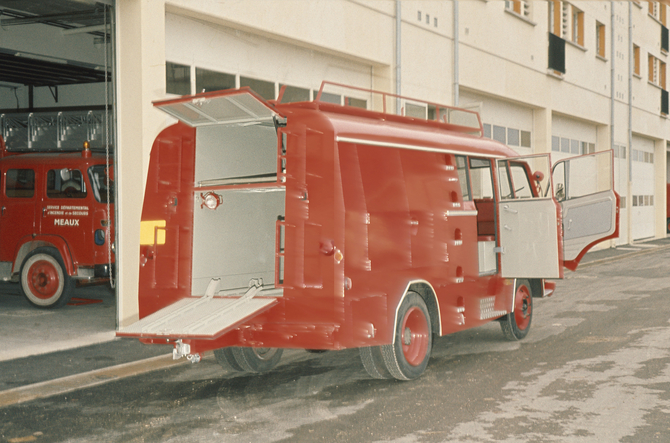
pixel 85 380
pixel 622 256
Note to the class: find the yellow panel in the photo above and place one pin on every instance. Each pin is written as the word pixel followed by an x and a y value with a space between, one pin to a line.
pixel 152 232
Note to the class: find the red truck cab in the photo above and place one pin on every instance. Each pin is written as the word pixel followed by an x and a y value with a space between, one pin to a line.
pixel 55 222
pixel 324 226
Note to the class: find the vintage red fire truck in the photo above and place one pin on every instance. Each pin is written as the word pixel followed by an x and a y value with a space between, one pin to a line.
pixel 55 222
pixel 322 226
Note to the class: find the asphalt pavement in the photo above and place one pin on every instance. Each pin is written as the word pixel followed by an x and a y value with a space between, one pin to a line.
pixel 44 348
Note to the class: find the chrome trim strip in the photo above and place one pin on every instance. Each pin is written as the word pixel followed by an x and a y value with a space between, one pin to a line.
pixel 458 213
pixel 411 147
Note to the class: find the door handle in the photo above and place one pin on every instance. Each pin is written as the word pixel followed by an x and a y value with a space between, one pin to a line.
pixel 508 209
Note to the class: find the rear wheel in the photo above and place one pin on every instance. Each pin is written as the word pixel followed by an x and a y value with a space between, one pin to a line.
pixel 516 324
pixel 257 359
pixel 667 225
pixel 373 362
pixel 226 359
pixel 407 358
pixel 43 279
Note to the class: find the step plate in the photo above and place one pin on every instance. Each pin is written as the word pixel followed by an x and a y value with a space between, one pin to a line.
pixel 198 318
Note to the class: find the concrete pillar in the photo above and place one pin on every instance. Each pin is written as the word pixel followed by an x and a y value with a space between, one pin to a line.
pixel 660 214
pixel 140 43
pixel 541 130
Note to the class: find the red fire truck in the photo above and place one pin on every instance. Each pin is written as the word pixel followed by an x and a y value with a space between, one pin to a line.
pixel 323 226
pixel 55 222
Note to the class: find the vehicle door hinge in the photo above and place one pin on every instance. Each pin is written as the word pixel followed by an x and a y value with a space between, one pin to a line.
pixel 499 250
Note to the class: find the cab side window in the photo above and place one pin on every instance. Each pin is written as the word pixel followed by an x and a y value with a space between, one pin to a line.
pixel 65 183
pixel 514 182
pixel 462 169
pixel 480 176
pixel 20 183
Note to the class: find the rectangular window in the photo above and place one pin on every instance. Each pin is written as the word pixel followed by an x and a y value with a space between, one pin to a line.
pixel 653 73
pixel 294 94
pixel 600 39
pixel 20 183
pixel 206 80
pixel 636 60
pixel 499 134
pixel 513 137
pixel 65 183
pixel 577 25
pixel 525 139
pixel 260 87
pixel 331 98
pixel 177 79
pixel 556 54
pixel 481 179
pixel 521 8
pixel 555 143
pixel 416 111
pixel 462 169
pixel 565 145
pixel 574 147
pixel 355 102
pixel 487 130
pixel 656 71
pixel 661 71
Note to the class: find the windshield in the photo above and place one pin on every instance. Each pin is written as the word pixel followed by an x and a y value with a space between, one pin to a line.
pixel 100 181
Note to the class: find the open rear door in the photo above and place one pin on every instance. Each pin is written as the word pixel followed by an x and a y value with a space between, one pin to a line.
pixel 234 201
pixel 530 241
pixel 584 187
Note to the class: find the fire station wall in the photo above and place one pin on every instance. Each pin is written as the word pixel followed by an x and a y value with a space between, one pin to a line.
pixel 504 121
pixel 223 49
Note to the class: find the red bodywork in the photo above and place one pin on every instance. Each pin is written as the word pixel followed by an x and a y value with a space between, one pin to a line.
pixel 35 217
pixel 373 209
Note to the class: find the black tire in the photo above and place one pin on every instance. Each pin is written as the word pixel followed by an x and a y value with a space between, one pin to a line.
pixel 43 279
pixel 225 358
pixel 256 359
pixel 667 225
pixel 516 324
pixel 373 362
pixel 407 358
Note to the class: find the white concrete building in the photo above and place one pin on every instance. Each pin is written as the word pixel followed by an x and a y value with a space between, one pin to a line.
pixel 547 76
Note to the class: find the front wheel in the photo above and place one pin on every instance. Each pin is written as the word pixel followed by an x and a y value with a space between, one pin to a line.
pixel 516 324
pixel 43 279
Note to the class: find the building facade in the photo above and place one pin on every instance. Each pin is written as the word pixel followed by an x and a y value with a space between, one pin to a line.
pixel 556 76
pixel 546 76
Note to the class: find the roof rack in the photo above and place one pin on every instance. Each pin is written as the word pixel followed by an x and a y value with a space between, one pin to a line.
pixel 463 120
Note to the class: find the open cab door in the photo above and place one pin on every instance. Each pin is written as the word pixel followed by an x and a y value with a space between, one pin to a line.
pixel 529 219
pixel 221 231
pixel 584 187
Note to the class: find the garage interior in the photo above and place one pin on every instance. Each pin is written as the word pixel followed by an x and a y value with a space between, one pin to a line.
pixel 56 60
pixel 56 91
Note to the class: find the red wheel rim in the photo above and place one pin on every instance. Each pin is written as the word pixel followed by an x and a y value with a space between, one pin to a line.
pixel 43 279
pixel 522 307
pixel 414 336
